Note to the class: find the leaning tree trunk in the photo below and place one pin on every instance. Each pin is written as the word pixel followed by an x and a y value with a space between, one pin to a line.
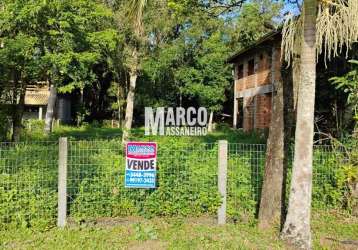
pixel 17 117
pixel 271 194
pixel 297 229
pixel 130 105
pixel 50 109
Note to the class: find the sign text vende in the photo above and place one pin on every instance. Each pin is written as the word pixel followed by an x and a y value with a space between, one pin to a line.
pixel 141 165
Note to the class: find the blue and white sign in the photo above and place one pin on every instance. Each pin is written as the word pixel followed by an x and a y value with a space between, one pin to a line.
pixel 141 165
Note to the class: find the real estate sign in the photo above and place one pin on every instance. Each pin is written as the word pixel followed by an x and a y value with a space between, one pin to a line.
pixel 141 165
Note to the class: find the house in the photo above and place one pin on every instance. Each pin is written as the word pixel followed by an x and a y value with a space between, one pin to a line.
pixel 256 68
pixel 36 100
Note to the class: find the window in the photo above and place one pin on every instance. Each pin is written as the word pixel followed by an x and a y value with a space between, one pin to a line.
pixel 240 71
pixel 251 67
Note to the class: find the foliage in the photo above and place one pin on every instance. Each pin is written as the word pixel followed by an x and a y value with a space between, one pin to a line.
pixel 256 19
pixel 349 84
pixel 336 29
pixel 4 124
pixel 188 47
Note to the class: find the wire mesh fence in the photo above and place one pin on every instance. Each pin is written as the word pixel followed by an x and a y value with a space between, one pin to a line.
pixel 28 183
pixel 245 170
pixel 186 181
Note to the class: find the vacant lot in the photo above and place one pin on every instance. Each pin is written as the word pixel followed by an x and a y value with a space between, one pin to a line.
pixel 331 231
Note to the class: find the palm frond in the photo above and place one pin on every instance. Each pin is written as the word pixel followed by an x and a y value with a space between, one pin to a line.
pixel 135 14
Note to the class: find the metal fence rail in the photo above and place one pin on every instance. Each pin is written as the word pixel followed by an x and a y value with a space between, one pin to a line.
pixel 187 181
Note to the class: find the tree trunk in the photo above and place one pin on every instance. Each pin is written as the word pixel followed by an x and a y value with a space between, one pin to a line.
pixel 355 198
pixel 210 123
pixel 272 204
pixel 17 117
pixel 50 109
pixel 130 105
pixel 119 106
pixel 297 229
pixel 119 116
pixel 271 194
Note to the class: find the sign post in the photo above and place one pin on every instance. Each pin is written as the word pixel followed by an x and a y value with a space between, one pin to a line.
pixel 141 165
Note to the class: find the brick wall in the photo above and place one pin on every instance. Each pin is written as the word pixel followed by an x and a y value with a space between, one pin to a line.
pixel 267 70
pixel 263 69
pixel 249 112
pixel 263 110
pixel 258 107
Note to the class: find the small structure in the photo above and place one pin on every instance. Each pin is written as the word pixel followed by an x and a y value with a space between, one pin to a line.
pixel 256 68
pixel 36 99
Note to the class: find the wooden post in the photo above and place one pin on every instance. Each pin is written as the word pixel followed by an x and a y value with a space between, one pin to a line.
pixel 62 182
pixel 222 180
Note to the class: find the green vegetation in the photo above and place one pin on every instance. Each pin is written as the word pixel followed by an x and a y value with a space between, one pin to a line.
pixel 331 231
pixel 187 179
pixel 349 84
pixel 90 50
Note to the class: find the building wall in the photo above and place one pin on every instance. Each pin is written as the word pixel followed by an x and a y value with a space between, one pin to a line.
pixel 256 88
pixel 263 111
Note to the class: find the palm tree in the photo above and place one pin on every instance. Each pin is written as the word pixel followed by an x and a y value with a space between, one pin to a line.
pixel 333 27
pixel 297 224
pixel 135 14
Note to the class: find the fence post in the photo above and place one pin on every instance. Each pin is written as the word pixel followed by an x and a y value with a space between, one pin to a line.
pixel 62 182
pixel 222 179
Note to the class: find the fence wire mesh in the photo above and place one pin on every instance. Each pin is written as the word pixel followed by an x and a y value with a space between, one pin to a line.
pixel 245 170
pixel 28 183
pixel 186 181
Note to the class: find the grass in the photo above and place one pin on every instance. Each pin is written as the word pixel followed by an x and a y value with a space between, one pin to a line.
pixel 330 231
pixel 88 132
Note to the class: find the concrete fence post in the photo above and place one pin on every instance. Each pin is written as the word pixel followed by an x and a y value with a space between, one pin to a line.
pixel 62 182
pixel 222 179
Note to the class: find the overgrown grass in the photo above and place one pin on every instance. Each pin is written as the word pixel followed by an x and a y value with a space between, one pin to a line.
pixel 90 132
pixel 187 187
pixel 330 231
pixel 187 178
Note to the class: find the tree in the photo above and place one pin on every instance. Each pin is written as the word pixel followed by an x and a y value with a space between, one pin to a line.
pixel 256 19
pixel 19 57
pixel 207 77
pixel 179 12
pixel 335 26
pixel 297 224
pixel 134 11
pixel 70 47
